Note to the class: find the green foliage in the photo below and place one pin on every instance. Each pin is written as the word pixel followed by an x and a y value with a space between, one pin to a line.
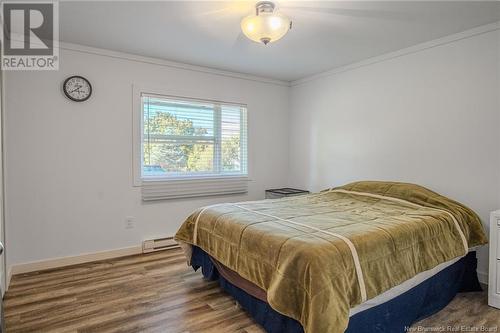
pixel 167 124
pixel 197 157
pixel 170 157
pixel 231 154
pixel 200 158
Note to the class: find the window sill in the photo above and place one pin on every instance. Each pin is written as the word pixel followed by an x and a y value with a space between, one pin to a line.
pixel 163 189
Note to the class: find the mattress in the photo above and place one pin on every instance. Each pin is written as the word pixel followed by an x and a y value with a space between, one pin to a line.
pixel 405 286
pixel 257 292
pixel 350 244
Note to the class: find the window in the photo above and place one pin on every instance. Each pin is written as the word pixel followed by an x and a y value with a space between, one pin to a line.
pixel 185 140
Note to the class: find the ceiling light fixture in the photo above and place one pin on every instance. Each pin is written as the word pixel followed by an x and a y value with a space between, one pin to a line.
pixel 266 26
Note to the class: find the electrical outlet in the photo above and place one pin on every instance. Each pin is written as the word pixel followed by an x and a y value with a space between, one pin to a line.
pixel 129 222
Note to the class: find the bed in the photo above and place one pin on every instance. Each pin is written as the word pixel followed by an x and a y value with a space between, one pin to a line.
pixel 382 254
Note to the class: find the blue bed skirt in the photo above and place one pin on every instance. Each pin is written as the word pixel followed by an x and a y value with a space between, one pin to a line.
pixel 393 316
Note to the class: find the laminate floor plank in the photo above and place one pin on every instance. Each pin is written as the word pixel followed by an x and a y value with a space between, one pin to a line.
pixel 157 292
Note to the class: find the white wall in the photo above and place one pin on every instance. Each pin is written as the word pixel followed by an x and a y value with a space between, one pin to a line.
pixel 430 117
pixel 69 165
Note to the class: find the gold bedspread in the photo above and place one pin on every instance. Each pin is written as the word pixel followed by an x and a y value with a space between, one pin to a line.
pixel 319 255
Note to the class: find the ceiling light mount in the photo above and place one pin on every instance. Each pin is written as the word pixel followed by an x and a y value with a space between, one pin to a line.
pixel 264 7
pixel 266 26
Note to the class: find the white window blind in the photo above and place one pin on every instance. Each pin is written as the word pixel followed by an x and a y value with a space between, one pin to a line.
pixel 192 147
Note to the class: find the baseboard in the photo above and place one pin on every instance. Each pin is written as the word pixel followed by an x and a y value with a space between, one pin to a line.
pixel 482 277
pixel 72 260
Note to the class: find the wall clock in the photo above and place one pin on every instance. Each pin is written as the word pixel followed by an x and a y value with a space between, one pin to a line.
pixel 77 88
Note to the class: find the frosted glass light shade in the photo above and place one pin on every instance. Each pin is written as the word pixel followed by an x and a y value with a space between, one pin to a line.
pixel 265 27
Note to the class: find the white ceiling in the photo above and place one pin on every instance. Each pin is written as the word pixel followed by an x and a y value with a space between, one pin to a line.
pixel 325 34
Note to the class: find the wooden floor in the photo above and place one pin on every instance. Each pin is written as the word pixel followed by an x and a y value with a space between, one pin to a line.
pixel 157 293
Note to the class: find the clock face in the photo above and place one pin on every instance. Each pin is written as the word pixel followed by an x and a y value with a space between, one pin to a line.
pixel 77 88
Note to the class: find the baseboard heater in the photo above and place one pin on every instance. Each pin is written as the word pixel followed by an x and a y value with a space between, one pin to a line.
pixel 159 244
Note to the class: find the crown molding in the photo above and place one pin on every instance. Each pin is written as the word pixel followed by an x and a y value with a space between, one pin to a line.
pixel 208 70
pixel 396 54
pixel 168 63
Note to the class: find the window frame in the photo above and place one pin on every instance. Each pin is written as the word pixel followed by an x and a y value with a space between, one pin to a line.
pixel 138 134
